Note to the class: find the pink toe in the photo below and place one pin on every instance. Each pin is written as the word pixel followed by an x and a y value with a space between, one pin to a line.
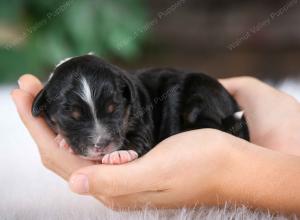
pixel 62 143
pixel 125 156
pixel 105 159
pixel 71 151
pixel 133 154
pixel 58 139
pixel 115 158
pixel 66 146
pixel 119 157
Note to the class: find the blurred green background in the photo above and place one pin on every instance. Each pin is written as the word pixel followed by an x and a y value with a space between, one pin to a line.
pixel 189 34
pixel 36 34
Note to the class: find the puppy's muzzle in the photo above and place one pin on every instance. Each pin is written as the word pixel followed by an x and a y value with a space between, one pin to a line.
pixel 102 143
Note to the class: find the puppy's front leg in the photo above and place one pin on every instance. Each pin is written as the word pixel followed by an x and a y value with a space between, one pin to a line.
pixel 62 143
pixel 119 157
pixel 141 138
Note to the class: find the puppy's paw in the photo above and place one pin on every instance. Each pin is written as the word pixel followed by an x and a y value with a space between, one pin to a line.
pixel 62 143
pixel 119 157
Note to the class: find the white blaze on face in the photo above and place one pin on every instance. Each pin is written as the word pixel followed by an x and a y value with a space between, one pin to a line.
pixel 86 95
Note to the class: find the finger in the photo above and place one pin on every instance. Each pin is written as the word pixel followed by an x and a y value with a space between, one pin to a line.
pixel 37 127
pixel 57 160
pixel 115 180
pixel 30 84
pixel 247 89
pixel 246 84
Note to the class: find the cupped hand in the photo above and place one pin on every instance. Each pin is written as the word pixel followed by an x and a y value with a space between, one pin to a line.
pixel 184 170
pixel 273 117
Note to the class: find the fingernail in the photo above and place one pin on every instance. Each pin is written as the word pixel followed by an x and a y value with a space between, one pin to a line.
pixel 79 184
pixel 19 83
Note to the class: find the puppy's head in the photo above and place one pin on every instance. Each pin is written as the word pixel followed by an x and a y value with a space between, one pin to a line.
pixel 88 102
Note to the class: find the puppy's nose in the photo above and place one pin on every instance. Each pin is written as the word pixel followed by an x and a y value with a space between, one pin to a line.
pixel 102 143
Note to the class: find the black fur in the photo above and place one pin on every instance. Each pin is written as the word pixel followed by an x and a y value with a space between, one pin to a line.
pixel 148 105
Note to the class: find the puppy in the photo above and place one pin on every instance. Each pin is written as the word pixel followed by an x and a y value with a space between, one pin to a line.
pixel 106 114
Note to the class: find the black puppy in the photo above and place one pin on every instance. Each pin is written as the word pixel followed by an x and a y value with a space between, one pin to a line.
pixel 104 113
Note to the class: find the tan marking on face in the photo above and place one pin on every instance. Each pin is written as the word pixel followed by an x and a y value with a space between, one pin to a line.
pixel 76 114
pixel 111 108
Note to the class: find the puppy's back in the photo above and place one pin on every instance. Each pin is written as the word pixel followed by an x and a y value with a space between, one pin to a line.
pixel 185 101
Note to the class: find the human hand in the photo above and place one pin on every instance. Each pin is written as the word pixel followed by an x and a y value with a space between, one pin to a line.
pixel 273 117
pixel 183 170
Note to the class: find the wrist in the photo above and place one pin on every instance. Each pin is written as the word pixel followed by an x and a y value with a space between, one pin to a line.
pixel 261 178
pixel 238 168
pixel 227 155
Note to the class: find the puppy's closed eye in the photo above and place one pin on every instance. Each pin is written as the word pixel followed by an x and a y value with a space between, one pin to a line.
pixel 73 112
pixel 110 107
pixel 76 114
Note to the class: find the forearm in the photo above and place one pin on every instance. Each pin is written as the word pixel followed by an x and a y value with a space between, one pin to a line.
pixel 261 178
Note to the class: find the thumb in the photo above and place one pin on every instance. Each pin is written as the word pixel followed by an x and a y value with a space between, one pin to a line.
pixel 113 180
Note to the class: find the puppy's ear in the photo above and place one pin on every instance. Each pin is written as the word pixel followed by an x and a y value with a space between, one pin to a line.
pixel 39 103
pixel 129 90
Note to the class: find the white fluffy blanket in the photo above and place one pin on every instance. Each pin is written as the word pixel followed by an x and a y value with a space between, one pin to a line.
pixel 29 191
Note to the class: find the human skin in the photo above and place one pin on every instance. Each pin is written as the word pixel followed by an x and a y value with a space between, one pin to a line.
pixel 202 167
pixel 272 116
